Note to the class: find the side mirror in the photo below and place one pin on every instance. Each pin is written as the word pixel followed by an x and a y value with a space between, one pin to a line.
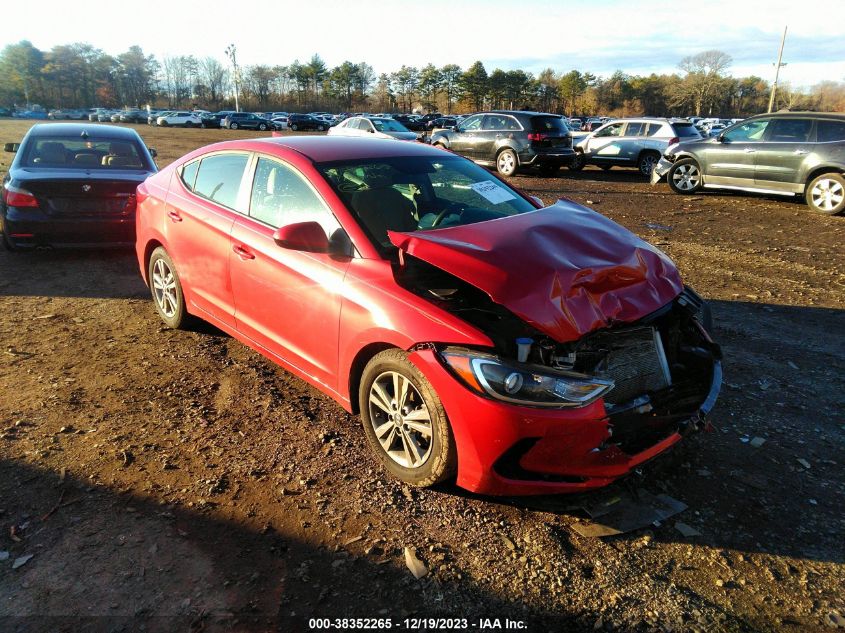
pixel 302 236
pixel 153 151
pixel 371 131
pixel 11 147
pixel 454 128
pixel 721 138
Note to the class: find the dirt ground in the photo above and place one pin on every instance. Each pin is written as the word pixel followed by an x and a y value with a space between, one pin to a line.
pixel 178 481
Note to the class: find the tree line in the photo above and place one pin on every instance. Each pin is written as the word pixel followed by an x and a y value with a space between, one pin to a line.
pixel 79 75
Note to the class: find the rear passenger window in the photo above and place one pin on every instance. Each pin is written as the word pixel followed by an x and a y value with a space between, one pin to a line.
pixel 790 130
pixel 635 129
pixel 189 174
pixel 219 178
pixel 827 131
pixel 653 129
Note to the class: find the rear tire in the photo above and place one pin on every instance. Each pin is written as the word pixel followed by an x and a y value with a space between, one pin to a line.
pixel 684 177
pixel 233 126
pixel 408 430
pixel 506 163
pixel 262 127
pixel 166 290
pixel 294 127
pixel 321 128
pixel 606 167
pixel 826 194
pixel 647 162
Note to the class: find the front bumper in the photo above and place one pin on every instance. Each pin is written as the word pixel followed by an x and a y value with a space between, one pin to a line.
pixel 33 228
pixel 512 450
pixel 660 170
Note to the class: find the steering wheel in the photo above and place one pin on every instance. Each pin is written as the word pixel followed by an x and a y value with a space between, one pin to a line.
pixel 451 208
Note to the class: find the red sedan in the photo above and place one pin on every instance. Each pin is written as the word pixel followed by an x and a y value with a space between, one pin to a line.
pixel 512 348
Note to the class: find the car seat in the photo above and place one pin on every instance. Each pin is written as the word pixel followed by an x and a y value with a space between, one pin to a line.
pixel 51 153
pixel 384 209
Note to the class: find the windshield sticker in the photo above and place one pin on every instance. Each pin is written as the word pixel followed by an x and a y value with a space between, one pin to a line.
pixel 492 192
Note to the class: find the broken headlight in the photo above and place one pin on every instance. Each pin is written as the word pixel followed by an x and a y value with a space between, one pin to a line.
pixel 519 383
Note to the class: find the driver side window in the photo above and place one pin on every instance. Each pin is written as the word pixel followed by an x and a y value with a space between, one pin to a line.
pixel 610 130
pixel 471 124
pixel 281 196
pixel 751 131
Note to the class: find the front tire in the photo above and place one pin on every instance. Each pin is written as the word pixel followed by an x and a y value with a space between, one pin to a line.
pixel 321 128
pixel 506 163
pixel 684 177
pixel 294 127
pixel 262 127
pixel 233 126
pixel 166 290
pixel 404 421
pixel 826 194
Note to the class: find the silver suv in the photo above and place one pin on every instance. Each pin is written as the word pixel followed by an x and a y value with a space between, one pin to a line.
pixel 789 153
pixel 631 143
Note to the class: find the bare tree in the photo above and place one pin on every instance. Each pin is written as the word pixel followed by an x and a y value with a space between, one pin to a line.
pixel 705 72
pixel 214 76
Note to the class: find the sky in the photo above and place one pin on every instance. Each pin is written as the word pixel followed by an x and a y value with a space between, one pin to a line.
pixel 597 36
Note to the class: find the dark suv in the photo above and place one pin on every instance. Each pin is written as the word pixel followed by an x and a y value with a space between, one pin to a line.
pixel 789 153
pixel 298 122
pixel 246 121
pixel 511 140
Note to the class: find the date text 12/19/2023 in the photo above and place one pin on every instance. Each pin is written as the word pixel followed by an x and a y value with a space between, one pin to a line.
pixel 416 624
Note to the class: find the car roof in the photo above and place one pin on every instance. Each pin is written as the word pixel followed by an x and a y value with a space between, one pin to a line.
pixel 93 130
pixel 803 114
pixel 324 149
pixel 521 113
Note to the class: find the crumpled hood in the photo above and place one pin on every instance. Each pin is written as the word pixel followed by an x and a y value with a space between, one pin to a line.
pixel 564 269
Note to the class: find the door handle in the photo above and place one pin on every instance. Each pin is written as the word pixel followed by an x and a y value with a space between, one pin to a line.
pixel 800 152
pixel 749 150
pixel 242 252
pixel 173 215
pixel 498 136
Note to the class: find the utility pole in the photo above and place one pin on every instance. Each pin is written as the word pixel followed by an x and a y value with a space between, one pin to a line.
pixel 236 73
pixel 777 71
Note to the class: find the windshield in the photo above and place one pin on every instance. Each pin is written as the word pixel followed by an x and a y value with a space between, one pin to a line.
pixel 420 193
pixel 80 153
pixel 388 125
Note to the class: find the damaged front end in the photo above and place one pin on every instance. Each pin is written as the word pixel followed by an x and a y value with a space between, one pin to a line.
pixel 560 415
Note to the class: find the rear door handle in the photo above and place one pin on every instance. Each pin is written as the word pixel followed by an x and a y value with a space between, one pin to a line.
pixel 749 150
pixel 242 252
pixel 801 152
pixel 173 215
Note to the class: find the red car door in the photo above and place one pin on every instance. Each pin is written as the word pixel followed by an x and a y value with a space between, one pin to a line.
pixel 287 301
pixel 199 216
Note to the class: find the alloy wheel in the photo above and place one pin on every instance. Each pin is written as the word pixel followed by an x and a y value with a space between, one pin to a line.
pixel 647 164
pixel 506 162
pixel 164 288
pixel 827 194
pixel 400 419
pixel 686 177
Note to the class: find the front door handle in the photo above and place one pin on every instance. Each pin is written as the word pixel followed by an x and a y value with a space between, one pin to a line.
pixel 173 215
pixel 800 152
pixel 242 252
pixel 749 150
